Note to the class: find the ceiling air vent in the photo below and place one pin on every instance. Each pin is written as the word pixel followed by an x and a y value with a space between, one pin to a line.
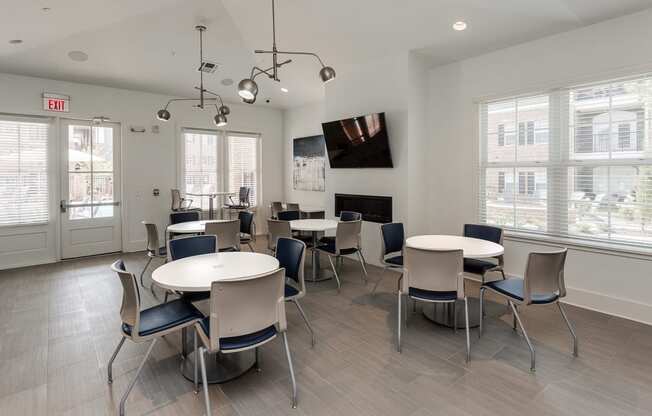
pixel 207 67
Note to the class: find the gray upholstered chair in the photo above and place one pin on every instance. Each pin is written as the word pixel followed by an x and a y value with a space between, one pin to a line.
pixel 146 325
pixel 291 255
pixel 347 241
pixel 542 284
pixel 154 250
pixel 244 314
pixel 392 238
pixel 275 208
pixel 277 229
pixel 227 232
pixel 247 229
pixel 434 277
pixel 179 203
pixel 482 267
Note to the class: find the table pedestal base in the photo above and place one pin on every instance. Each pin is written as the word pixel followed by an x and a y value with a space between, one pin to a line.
pixel 442 313
pixel 220 368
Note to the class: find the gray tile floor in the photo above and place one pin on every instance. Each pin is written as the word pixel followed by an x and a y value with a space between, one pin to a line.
pixel 59 324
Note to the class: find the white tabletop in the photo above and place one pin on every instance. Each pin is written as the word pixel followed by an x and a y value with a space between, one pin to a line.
pixel 314 225
pixel 191 227
pixel 196 273
pixel 472 247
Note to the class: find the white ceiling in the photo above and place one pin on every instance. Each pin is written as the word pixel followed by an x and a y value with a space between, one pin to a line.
pixel 151 45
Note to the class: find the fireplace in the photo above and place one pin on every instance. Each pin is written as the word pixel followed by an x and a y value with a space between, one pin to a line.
pixel 372 208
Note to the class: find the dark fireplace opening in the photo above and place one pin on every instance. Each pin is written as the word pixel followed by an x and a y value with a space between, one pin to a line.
pixel 373 208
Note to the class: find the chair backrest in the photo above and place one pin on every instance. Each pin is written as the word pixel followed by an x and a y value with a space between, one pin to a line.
pixel 130 308
pixel 241 307
pixel 291 255
pixel 152 237
pixel 176 199
pixel 437 271
pixel 184 216
pixel 288 215
pixel 347 235
pixel 243 195
pixel 350 216
pixel 227 233
pixel 544 274
pixel 392 238
pixel 292 206
pixel 246 222
pixel 192 246
pixel 275 230
pixel 276 207
pixel 484 232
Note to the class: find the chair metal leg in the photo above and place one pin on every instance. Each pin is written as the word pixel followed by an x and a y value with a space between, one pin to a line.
pixel 380 279
pixel 184 340
pixel 133 382
pixel 570 328
pixel 202 360
pixel 195 378
pixel 466 321
pixel 503 273
pixel 529 343
pixel 305 319
pixel 257 360
pixel 514 316
pixel 143 272
pixel 398 332
pixel 337 278
pixel 482 289
pixel 454 317
pixel 364 269
pixel 110 365
pixel 294 381
pixel 250 247
pixel 166 297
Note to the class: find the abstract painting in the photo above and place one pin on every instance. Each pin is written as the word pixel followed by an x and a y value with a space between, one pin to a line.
pixel 309 155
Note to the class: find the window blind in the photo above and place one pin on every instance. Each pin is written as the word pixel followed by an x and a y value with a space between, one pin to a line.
pixel 574 163
pixel 23 172
pixel 200 170
pixel 243 164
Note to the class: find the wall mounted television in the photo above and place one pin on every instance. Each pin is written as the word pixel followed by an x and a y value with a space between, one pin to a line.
pixel 358 142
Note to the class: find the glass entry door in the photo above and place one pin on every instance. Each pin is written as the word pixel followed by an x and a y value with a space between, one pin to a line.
pixel 90 186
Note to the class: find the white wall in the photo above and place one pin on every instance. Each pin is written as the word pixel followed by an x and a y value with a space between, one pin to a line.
pixel 613 284
pixel 149 160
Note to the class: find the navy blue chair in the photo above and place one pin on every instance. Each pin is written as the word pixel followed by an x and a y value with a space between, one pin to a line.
pixel 350 216
pixel 146 325
pixel 542 284
pixel 291 255
pixel 482 267
pixel 193 246
pixel 183 216
pixel 392 237
pixel 288 215
pixel 247 228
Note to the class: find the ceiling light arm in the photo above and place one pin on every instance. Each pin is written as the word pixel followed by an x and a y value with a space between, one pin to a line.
pixel 292 53
pixel 212 93
pixel 179 99
pixel 255 71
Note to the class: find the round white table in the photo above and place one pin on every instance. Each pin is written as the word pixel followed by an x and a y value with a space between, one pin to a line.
pixel 189 227
pixel 196 274
pixel 314 226
pixel 472 248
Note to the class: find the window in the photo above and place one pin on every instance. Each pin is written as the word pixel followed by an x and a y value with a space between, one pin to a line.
pixel 23 171
pixel 243 164
pixel 586 172
pixel 200 165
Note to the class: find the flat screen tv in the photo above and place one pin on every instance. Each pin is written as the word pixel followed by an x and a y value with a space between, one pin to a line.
pixel 358 142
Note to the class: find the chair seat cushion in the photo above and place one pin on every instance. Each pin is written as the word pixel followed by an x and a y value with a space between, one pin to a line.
pixel 241 341
pixel 331 249
pixel 290 291
pixel 396 260
pixel 195 296
pixel 513 288
pixel 164 316
pixel 476 266
pixel 432 295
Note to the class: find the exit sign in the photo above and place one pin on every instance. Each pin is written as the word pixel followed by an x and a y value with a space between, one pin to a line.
pixel 56 102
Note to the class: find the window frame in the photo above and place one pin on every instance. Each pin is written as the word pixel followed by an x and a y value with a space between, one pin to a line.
pixel 227 178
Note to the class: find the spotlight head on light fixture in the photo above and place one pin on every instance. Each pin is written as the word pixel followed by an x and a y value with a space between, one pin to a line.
pixel 246 101
pixel 224 110
pixel 163 115
pixel 220 120
pixel 248 89
pixel 327 73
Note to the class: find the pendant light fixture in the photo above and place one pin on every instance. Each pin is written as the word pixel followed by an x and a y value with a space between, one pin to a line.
pixel 248 89
pixel 204 66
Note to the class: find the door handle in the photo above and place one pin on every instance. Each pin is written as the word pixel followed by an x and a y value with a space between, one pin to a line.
pixel 63 205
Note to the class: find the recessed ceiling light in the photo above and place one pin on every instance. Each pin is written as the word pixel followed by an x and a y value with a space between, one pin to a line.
pixel 16 41
pixel 459 26
pixel 284 89
pixel 78 56
pixel 226 82
pixel 46 9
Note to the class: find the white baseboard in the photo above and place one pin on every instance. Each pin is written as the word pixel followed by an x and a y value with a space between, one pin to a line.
pixel 610 305
pixel 33 262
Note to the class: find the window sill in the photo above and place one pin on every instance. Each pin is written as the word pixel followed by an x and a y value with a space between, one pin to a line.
pixel 620 250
